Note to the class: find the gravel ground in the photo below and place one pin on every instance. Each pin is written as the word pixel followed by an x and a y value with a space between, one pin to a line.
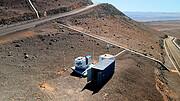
pixel 110 23
pixel 29 62
pixel 37 67
pixel 35 63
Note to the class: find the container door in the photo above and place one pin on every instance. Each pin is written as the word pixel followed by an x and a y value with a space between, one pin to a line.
pixel 99 79
pixel 89 75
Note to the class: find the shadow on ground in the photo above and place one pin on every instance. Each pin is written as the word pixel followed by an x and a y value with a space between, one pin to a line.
pixel 76 75
pixel 92 86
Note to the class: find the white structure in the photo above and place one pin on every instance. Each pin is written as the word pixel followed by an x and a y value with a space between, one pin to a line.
pixel 106 56
pixel 83 65
pixel 82 62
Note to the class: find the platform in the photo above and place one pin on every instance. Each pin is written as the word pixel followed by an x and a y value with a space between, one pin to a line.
pixel 82 72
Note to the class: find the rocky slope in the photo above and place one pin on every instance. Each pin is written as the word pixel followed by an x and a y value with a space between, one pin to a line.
pixel 12 11
pixel 109 23
pixel 45 75
pixel 35 63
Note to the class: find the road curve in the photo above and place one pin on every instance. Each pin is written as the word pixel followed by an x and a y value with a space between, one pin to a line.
pixel 32 24
pixel 174 53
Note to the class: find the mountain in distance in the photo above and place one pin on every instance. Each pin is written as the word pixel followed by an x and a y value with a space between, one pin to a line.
pixel 153 16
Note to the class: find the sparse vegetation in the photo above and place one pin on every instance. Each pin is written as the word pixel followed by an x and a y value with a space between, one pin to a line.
pixel 165 36
pixel 163 57
pixel 178 41
pixel 161 44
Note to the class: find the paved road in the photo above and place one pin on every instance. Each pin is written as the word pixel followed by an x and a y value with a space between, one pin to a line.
pixel 174 52
pixel 32 24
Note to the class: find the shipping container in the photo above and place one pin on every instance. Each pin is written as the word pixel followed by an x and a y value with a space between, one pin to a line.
pixel 101 72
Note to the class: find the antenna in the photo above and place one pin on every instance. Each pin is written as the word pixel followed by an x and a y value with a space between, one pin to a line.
pixel 64 59
pixel 107 48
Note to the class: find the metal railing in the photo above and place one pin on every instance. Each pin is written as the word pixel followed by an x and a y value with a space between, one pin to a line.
pixel 34 9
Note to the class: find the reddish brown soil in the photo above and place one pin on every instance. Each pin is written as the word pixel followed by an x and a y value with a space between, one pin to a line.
pixel 172 32
pixel 163 27
pixel 171 88
pixel 46 74
pixel 171 27
pixel 52 50
pixel 109 23
pixel 13 11
pixel 52 4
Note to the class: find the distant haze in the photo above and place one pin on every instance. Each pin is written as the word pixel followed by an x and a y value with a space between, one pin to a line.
pixel 145 10
pixel 144 5
pixel 153 16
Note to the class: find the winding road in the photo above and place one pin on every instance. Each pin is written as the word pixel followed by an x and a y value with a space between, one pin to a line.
pixel 13 29
pixel 43 20
pixel 173 52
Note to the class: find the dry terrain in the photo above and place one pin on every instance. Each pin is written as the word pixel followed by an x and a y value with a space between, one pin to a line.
pixel 46 75
pixel 13 11
pixel 153 16
pixel 109 23
pixel 171 27
pixel 172 32
pixel 35 63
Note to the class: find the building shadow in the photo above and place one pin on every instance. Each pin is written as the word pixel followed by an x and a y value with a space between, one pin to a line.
pixel 76 75
pixel 92 86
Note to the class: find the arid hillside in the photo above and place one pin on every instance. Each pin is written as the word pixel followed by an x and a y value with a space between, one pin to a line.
pixel 45 75
pixel 172 32
pixel 35 62
pixel 109 23
pixel 169 27
pixel 44 5
pixel 12 11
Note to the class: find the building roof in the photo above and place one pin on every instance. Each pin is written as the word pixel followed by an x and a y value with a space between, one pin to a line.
pixel 107 55
pixel 88 56
pixel 103 64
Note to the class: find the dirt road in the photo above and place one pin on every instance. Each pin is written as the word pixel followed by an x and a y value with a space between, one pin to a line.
pixel 173 52
pixel 32 24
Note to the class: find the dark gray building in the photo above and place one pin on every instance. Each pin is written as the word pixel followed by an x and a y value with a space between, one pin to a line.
pixel 101 72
